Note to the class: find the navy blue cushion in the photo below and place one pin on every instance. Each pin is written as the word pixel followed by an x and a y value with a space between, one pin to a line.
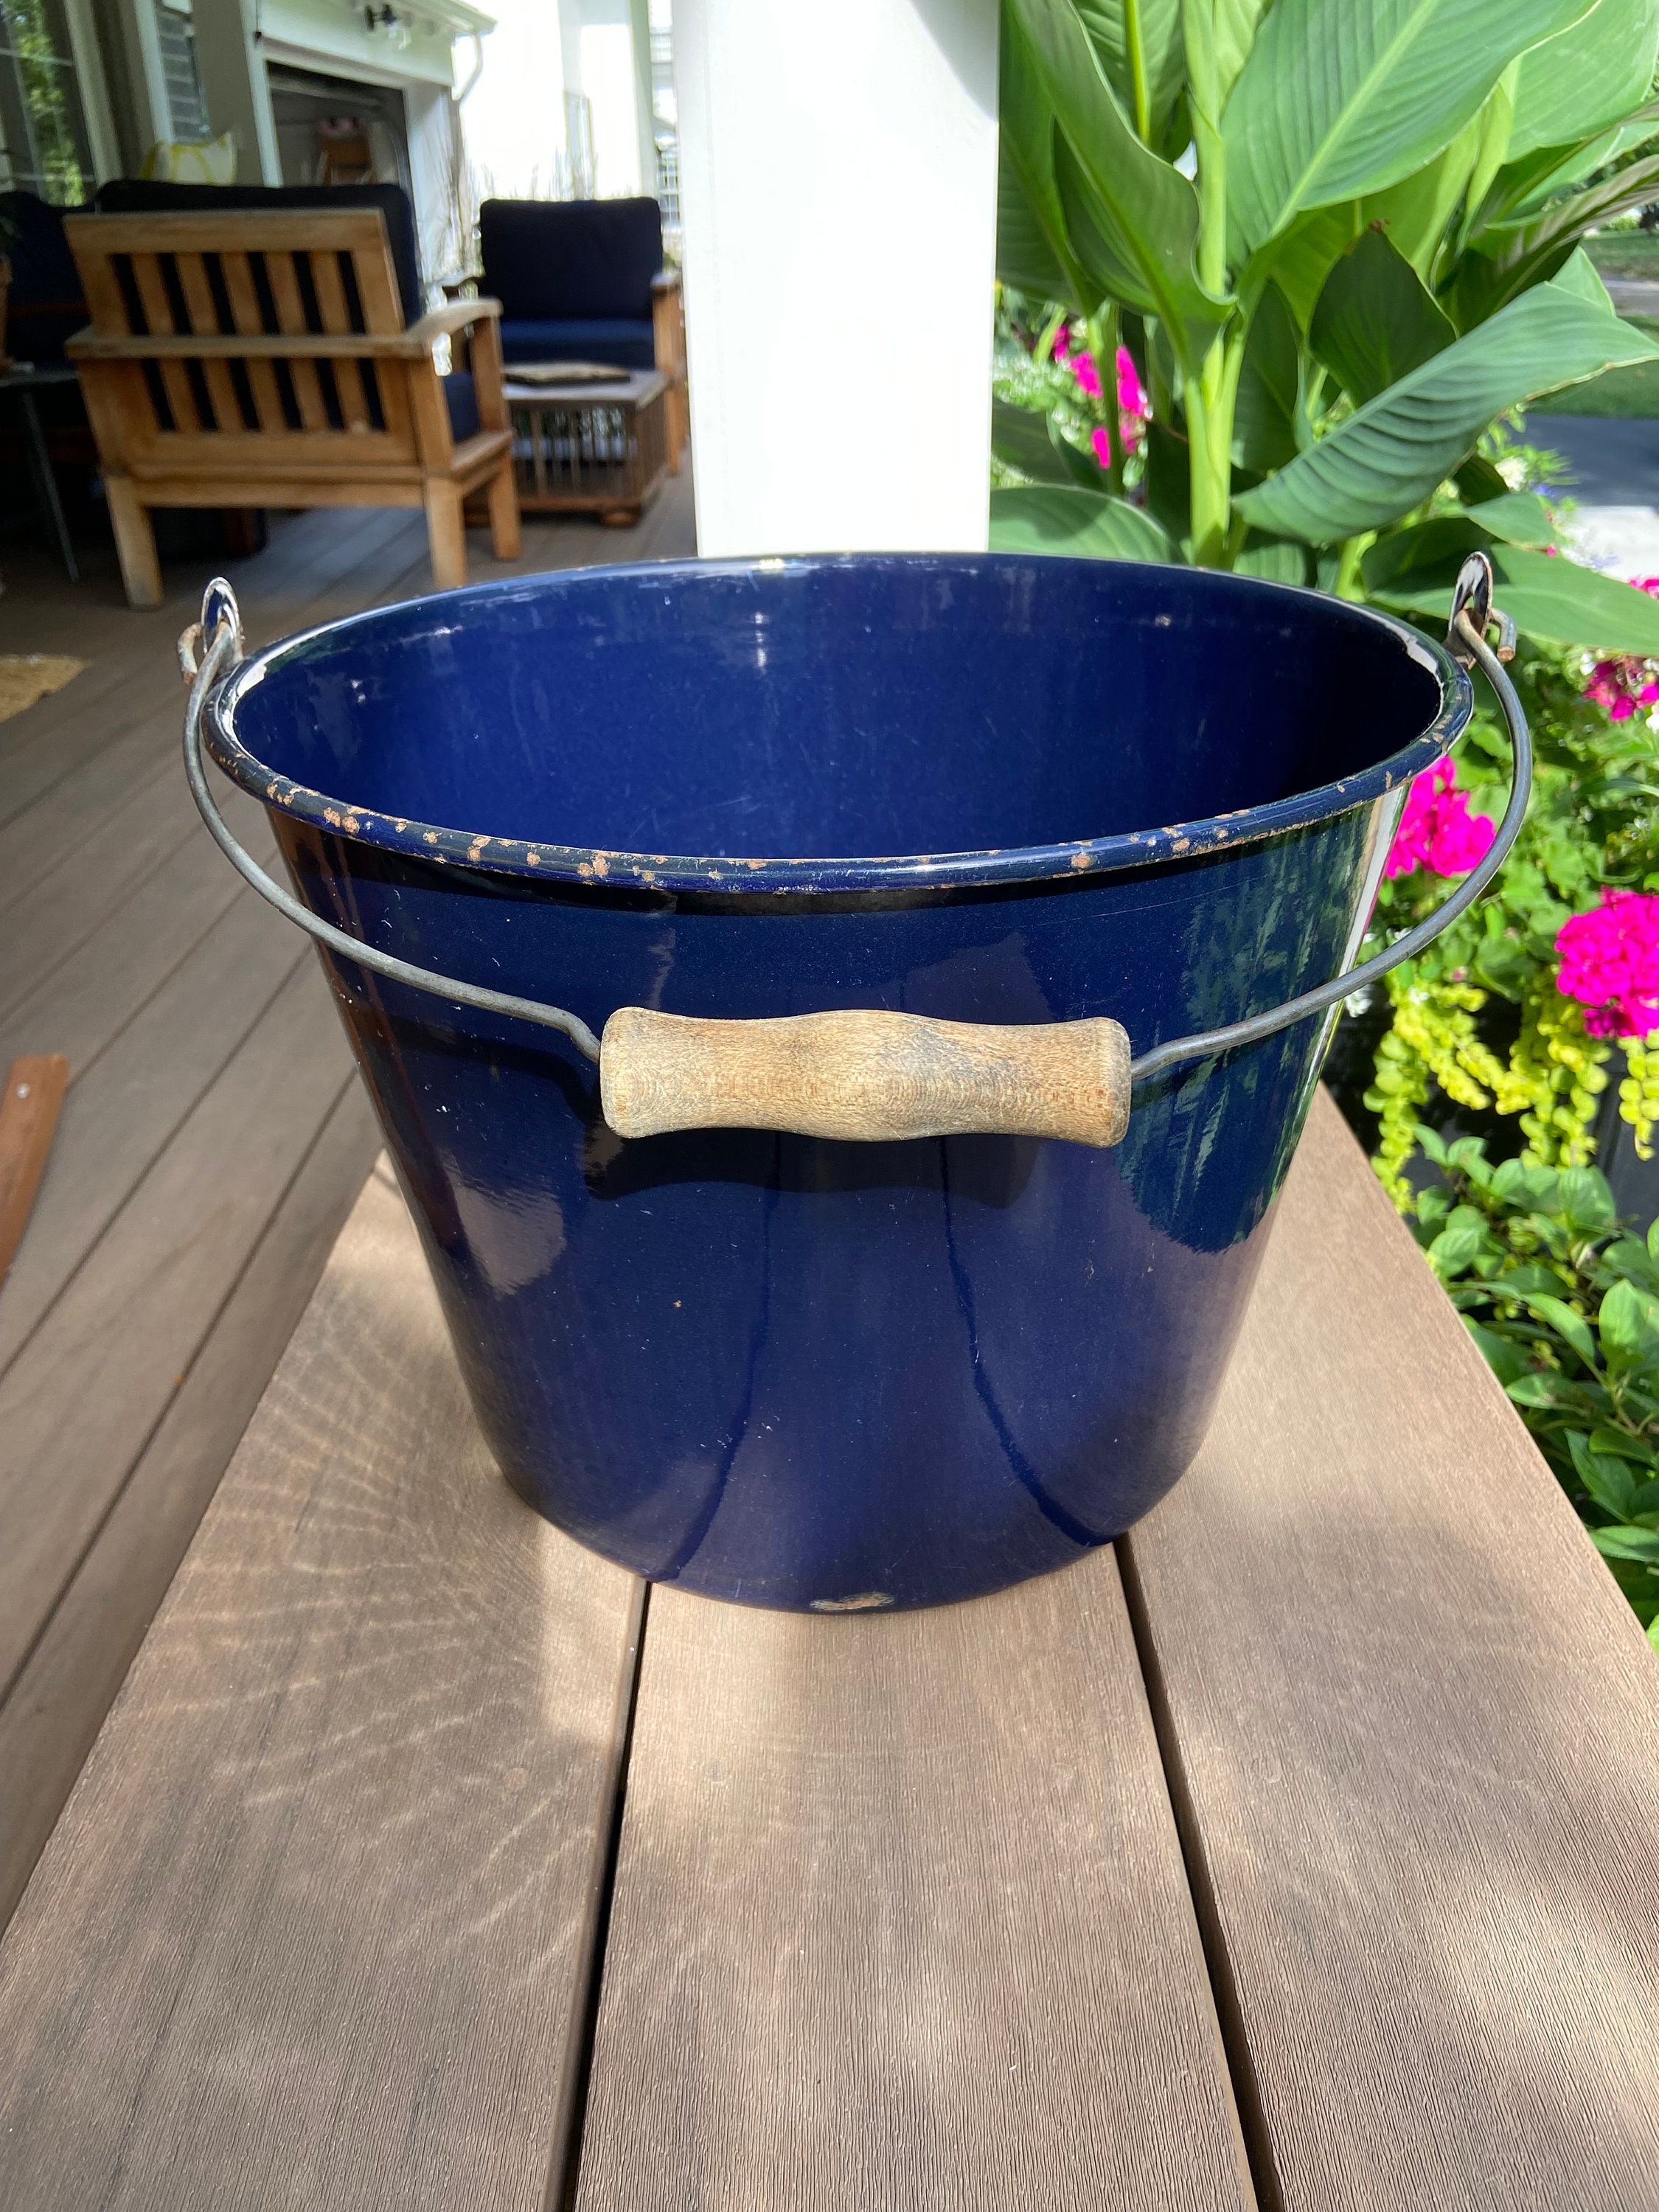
pixel 618 344
pixel 139 196
pixel 462 404
pixel 45 306
pixel 571 260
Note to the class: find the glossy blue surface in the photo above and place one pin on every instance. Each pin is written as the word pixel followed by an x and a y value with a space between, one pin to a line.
pixel 780 1369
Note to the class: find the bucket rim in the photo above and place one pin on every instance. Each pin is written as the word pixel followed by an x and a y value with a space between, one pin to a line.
pixel 539 861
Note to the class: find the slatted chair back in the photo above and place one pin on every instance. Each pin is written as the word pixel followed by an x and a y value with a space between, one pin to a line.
pixel 163 279
pixel 243 359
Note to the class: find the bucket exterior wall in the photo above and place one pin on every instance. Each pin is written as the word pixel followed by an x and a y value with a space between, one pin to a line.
pixel 774 1369
pixel 799 1373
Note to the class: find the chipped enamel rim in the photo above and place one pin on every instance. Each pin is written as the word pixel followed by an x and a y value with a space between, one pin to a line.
pixel 666 872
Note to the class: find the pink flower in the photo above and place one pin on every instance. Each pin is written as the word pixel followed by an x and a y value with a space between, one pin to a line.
pixel 1062 345
pixel 1100 439
pixel 1437 830
pixel 1130 393
pixel 1619 685
pixel 1625 682
pixel 1082 367
pixel 1610 963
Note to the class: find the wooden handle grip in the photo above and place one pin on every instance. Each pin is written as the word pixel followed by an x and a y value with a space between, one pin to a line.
pixel 864 1075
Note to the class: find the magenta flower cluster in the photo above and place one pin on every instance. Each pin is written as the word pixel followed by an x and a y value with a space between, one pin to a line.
pixel 1610 963
pixel 1131 404
pixel 1437 830
pixel 1623 682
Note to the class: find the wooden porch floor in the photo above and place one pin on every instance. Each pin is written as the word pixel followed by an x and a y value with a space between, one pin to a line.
pixel 213 1139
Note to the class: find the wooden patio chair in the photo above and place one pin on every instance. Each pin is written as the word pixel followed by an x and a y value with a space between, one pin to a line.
pixel 261 360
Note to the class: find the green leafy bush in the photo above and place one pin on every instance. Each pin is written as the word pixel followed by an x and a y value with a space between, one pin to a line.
pixel 1339 237
pixel 1566 1307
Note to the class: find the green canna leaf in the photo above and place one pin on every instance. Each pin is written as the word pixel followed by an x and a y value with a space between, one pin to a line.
pixel 1067 520
pixel 1392 451
pixel 1553 600
pixel 1586 77
pixel 1236 25
pixel 1416 211
pixel 1141 50
pixel 1519 518
pixel 1025 259
pixel 1269 388
pixel 1495 129
pixel 1507 259
pixel 1275 559
pixel 1169 483
pixel 1300 258
pixel 1579 275
pixel 1375 321
pixel 1033 251
pixel 1340 97
pixel 1132 218
pixel 1415 568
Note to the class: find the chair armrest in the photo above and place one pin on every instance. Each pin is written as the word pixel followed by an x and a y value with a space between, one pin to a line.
pixel 443 322
pixel 402 345
pixel 90 345
pixel 665 281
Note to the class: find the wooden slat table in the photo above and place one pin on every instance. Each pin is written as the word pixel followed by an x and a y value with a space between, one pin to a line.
pixel 1300 1851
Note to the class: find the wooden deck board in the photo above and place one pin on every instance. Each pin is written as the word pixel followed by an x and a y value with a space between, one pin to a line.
pixel 71 1677
pixel 315 1928
pixel 124 1111
pixel 81 1399
pixel 92 877
pixel 900 1918
pixel 1418 1729
pixel 89 998
pixel 111 900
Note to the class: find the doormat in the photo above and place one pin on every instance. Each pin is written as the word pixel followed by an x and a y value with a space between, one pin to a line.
pixel 26 676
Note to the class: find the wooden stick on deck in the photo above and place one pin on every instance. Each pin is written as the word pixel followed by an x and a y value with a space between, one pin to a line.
pixel 35 1085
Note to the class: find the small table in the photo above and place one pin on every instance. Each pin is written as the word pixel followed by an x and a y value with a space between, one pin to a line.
pixel 589 448
pixel 25 380
pixel 1298 1849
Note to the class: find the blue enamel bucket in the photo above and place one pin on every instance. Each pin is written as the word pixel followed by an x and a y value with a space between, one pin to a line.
pixel 801 1369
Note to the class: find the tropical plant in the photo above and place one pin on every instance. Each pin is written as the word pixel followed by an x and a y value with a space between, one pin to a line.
pixel 1338 238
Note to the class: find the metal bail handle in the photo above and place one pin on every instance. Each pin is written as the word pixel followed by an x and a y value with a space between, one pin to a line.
pixel 865 1074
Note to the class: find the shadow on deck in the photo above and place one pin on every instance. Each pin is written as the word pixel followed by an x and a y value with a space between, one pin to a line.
pixel 213 1139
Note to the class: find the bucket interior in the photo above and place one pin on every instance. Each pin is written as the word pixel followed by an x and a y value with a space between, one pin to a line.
pixel 852 708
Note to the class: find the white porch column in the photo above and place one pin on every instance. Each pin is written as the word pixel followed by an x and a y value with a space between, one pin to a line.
pixel 838 179
pixel 233 81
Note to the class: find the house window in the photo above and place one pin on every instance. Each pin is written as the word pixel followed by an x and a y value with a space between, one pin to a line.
pixel 186 108
pixel 43 146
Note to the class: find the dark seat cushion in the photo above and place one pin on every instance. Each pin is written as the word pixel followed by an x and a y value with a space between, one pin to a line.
pixel 618 344
pixel 549 261
pixel 139 196
pixel 44 305
pixel 462 402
